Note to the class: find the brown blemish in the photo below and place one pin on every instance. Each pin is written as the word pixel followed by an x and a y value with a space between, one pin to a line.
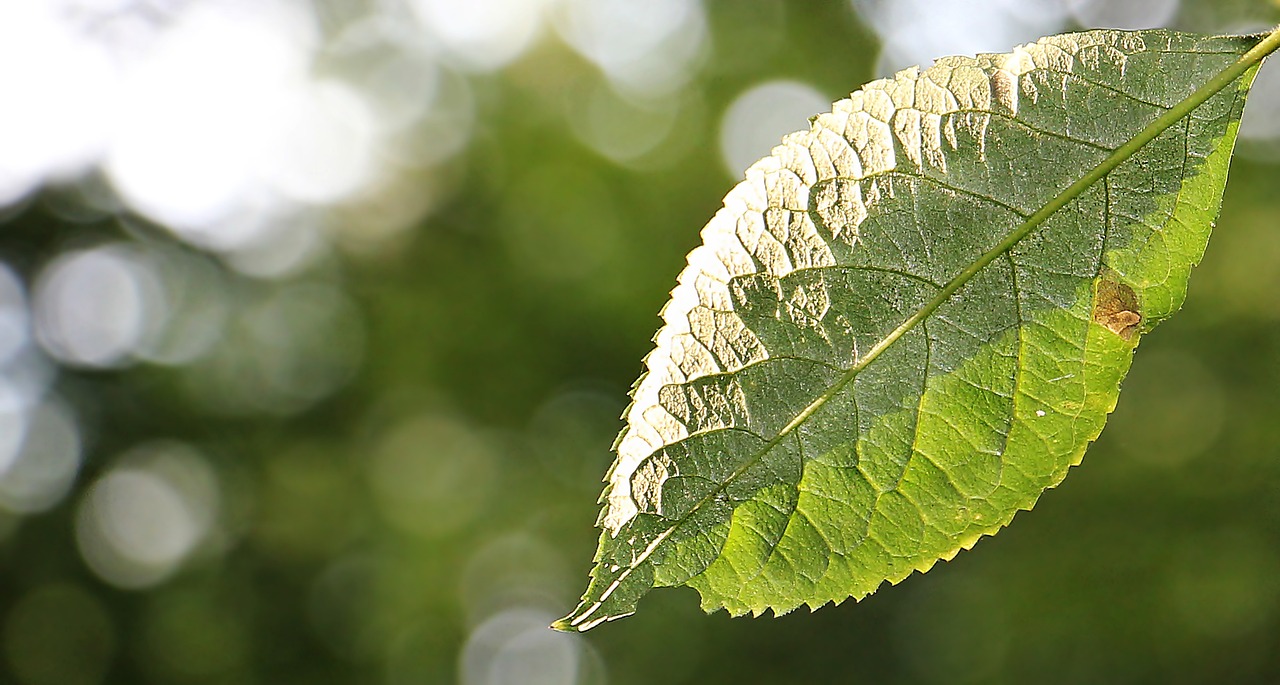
pixel 1115 306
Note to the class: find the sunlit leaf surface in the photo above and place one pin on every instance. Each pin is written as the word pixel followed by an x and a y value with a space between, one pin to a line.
pixel 792 442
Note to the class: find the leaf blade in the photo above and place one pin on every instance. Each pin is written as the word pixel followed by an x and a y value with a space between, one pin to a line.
pixel 938 325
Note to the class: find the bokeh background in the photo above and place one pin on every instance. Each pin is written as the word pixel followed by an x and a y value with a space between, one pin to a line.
pixel 316 318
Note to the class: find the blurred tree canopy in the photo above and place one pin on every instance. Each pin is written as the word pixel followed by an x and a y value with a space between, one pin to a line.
pixel 353 431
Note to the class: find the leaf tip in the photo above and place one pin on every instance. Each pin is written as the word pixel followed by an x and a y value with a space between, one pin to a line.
pixel 564 625
pixel 585 618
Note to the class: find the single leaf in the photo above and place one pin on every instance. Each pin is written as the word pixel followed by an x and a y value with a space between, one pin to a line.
pixel 911 319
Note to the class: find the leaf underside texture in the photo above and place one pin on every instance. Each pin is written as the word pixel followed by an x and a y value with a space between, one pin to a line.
pixel 867 366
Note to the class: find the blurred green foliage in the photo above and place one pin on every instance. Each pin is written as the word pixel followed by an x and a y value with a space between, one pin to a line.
pixel 412 527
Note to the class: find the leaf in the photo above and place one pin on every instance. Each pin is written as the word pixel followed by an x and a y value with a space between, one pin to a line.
pixel 911 319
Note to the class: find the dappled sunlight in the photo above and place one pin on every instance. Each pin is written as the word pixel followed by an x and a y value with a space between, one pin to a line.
pixel 514 647
pixel 60 127
pixel 148 514
pixel 621 129
pixel 482 35
pixel 202 122
pixel 757 119
pixel 94 307
pixel 646 50
pixel 915 32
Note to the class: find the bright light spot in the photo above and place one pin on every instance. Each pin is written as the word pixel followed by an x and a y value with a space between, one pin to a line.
pixel 46 463
pixel 97 7
pixel 110 305
pixel 144 518
pixel 620 129
pixel 443 130
pixel 483 34
pixel 1129 15
pixel 291 247
pixel 141 520
pixel 204 110
pixel 1033 12
pixel 515 647
pixel 646 49
pixel 14 325
pixel 254 220
pixel 758 118
pixel 54 85
pixel 217 140
pixel 324 150
pixel 395 68
pixel 919 31
pixel 432 475
pixel 212 118
pixel 30 374
pixel 94 307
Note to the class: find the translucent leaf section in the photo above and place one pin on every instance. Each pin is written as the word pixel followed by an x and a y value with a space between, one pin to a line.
pixel 792 442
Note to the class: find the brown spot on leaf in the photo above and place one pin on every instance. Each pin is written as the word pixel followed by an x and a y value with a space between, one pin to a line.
pixel 1115 306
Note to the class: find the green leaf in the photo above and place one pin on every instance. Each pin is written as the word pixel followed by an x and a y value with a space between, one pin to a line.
pixel 911 319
